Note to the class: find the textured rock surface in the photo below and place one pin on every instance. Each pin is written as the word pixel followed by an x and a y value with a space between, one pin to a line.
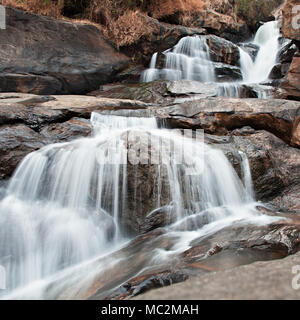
pixel 257 281
pixel 275 169
pixel 291 84
pixel 287 18
pixel 48 56
pixel 221 115
pixel 28 122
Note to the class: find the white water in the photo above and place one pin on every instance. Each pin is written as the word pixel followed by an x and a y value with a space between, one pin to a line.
pixel 64 203
pixel 190 60
pixel 266 39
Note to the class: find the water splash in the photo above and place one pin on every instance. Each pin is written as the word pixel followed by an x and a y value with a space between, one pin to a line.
pixel 66 202
pixel 190 60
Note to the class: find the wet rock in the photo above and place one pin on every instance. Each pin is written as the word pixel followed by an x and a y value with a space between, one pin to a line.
pixel 16 141
pixel 250 48
pixel 227 73
pixel 38 111
pixel 147 282
pixel 291 84
pixel 262 280
pixel 159 217
pixel 67 131
pixel 287 51
pixel 222 115
pixel 40 120
pixel 150 92
pixel 42 55
pixel 279 71
pixel 275 169
pixel 232 246
pixel 222 50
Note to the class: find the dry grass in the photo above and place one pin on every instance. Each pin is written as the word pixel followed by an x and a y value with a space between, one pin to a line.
pixel 43 7
pixel 160 8
pixel 127 29
pixel 122 21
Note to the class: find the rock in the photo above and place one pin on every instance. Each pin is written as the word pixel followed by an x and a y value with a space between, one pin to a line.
pixel 67 131
pixel 291 84
pixel 233 246
pixel 159 217
pixel 268 280
pixel 149 92
pixel 165 93
pixel 147 282
pixel 275 169
pixel 279 71
pixel 222 50
pixel 222 115
pixel 223 25
pixel 287 51
pixel 42 55
pixel 251 48
pixel 16 141
pixel 163 37
pixel 38 111
pixel 227 73
pixel 290 18
pixel 29 122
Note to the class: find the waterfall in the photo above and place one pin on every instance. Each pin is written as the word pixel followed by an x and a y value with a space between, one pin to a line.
pixel 266 39
pixel 67 202
pixel 190 60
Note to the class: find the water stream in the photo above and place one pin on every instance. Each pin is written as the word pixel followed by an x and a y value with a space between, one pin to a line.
pixel 190 60
pixel 68 204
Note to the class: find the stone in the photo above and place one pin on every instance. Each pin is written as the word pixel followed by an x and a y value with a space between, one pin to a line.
pixel 43 55
pixel 291 84
pixel 288 18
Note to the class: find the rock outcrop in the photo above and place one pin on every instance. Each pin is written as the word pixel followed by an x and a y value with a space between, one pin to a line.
pixel 222 115
pixel 42 55
pixel 28 122
pixel 291 84
pixel 291 20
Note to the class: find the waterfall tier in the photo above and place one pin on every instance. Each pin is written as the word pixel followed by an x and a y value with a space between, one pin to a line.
pixel 190 59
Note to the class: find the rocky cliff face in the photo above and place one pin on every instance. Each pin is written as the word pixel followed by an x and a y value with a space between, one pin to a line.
pixel 291 29
pixel 291 20
pixel 46 56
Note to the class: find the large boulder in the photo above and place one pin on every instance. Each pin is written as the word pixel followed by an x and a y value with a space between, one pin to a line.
pixel 42 55
pixel 28 122
pixel 222 115
pixel 222 50
pixel 291 84
pixel 275 168
pixel 290 17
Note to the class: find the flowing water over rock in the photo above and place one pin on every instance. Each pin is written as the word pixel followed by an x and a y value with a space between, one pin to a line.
pixel 71 203
pixel 191 59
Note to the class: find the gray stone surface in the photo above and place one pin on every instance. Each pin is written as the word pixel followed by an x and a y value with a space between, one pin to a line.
pixel 260 280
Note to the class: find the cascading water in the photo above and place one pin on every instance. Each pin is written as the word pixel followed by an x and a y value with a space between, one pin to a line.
pixel 266 39
pixel 190 60
pixel 66 203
